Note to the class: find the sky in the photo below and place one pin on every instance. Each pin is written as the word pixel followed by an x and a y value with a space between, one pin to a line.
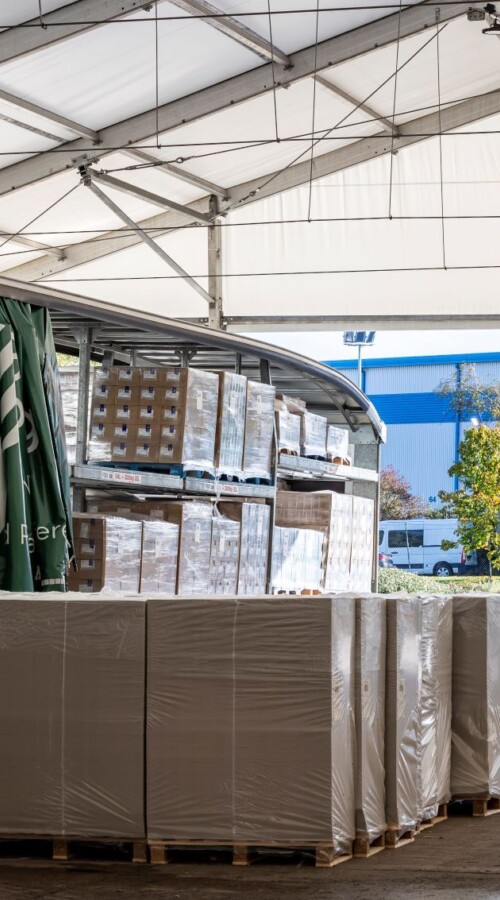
pixel 328 345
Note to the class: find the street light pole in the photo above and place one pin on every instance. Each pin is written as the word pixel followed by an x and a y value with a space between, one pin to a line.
pixel 359 339
pixel 360 369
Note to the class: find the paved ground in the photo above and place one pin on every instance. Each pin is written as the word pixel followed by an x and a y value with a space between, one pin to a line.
pixel 457 860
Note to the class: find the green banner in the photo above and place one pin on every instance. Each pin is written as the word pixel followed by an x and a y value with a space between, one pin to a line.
pixel 36 526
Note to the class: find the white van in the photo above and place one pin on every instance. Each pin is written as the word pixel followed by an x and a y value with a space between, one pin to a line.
pixel 415 544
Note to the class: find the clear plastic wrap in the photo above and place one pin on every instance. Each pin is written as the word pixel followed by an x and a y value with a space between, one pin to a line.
pixel 313 435
pixel 402 717
pixel 160 547
pixel 361 566
pixel 72 689
pixel 288 430
pixel 435 704
pixel 200 419
pixel 337 443
pixel 259 430
pixel 195 539
pixel 230 424
pixel 338 560
pixel 224 555
pixel 297 559
pixel 370 715
pixel 475 752
pixel 254 518
pixel 250 729
pixel 107 554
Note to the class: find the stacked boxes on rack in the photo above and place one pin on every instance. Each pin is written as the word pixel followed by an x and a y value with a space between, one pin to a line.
pixel 166 415
pixel 344 555
pixel 107 553
pixel 218 424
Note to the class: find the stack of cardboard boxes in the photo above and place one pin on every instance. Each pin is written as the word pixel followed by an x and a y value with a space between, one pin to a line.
pixel 166 415
pixel 107 553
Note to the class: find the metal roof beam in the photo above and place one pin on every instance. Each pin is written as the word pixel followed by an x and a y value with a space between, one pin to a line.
pixel 50 116
pixel 234 29
pixel 223 95
pixel 33 245
pixel 143 236
pixel 77 17
pixel 176 172
pixel 357 104
pixel 133 191
pixel 361 151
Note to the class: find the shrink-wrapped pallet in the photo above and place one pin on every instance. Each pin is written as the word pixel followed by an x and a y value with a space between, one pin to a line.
pixel 313 435
pixel 294 721
pixel 72 687
pixel 250 734
pixel 475 755
pixel 337 444
pixel 361 563
pixel 435 704
pixel 288 430
pixel 259 430
pixel 195 537
pixel 190 718
pixel 160 548
pixel 297 559
pixel 107 554
pixel 255 519
pixel 370 716
pixel 230 434
pixel 402 731
pixel 224 555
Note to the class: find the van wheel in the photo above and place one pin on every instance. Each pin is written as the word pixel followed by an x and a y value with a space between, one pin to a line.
pixel 442 570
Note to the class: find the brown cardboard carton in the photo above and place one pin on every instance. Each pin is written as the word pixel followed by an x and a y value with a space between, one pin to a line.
pixel 116 542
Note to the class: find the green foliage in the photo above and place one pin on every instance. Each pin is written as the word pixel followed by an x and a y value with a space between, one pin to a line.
pixel 476 504
pixel 467 394
pixel 396 499
pixel 391 581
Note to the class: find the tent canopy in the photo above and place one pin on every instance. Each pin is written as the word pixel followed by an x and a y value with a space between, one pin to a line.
pixel 327 162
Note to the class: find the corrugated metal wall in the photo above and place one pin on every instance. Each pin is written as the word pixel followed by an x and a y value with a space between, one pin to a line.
pixel 423 453
pixel 406 379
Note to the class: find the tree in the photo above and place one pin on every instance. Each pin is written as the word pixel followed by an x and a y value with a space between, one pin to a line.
pixel 396 499
pixel 470 396
pixel 476 504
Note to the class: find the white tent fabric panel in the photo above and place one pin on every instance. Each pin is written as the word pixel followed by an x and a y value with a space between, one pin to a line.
pixel 109 72
pixel 24 10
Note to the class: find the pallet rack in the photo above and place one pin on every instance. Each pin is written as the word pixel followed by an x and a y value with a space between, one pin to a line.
pixel 96 330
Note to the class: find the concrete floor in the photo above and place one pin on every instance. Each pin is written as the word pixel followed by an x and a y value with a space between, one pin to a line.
pixel 457 860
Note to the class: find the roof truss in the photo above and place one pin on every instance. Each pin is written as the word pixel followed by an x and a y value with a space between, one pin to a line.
pixel 412 132
pixel 224 94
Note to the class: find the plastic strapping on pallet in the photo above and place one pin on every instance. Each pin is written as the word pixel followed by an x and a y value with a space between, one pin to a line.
pixel 251 720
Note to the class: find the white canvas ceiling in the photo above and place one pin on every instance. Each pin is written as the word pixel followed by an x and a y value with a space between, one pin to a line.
pixel 368 194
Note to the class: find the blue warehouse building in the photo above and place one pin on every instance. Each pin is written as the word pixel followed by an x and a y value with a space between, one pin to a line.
pixel 423 431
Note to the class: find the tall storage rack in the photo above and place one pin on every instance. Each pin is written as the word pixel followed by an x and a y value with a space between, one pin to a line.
pixel 99 331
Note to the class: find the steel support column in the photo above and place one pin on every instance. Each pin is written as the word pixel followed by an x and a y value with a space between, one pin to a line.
pixel 215 310
pixel 84 338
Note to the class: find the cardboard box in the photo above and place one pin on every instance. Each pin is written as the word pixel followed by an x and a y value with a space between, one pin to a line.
pixel 135 450
pixel 160 548
pixel 435 704
pixel 116 542
pixel 254 518
pixel 313 435
pixel 72 679
pixel 297 559
pixel 259 430
pixel 230 433
pixel 337 442
pixel 194 519
pixel 288 431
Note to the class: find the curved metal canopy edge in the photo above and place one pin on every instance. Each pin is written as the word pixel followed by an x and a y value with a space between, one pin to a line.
pixel 350 402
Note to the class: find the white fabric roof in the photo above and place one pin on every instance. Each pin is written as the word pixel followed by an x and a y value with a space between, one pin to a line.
pixel 313 243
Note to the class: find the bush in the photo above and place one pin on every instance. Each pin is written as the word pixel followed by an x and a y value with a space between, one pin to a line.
pixel 390 581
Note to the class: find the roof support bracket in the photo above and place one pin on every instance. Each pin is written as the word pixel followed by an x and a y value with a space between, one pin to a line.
pixel 215 309
pixel 87 180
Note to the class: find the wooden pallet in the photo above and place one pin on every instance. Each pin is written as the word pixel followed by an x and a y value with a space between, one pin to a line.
pixel 325 855
pixel 66 848
pixel 365 846
pixel 480 807
pixel 441 816
pixel 395 838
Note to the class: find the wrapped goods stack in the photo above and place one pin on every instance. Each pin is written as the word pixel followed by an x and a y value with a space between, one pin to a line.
pixel 259 430
pixel 107 554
